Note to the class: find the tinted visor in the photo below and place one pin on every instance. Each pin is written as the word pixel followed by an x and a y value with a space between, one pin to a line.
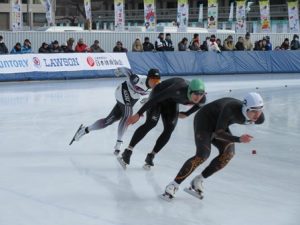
pixel 256 108
pixel 198 92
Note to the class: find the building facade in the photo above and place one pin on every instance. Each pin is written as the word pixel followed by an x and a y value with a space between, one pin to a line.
pixel 71 12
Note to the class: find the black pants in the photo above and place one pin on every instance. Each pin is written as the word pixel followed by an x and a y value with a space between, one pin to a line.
pixel 169 114
pixel 203 140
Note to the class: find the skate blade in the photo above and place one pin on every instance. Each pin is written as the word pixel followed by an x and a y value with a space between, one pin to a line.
pixel 122 163
pixel 73 139
pixel 193 193
pixel 166 197
pixel 147 167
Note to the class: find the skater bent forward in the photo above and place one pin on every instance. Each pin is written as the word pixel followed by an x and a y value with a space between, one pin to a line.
pixel 211 126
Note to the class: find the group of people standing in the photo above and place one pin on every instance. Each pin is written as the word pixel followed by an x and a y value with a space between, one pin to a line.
pixel 211 121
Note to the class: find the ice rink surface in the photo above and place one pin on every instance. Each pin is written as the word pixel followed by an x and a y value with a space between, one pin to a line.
pixel 44 181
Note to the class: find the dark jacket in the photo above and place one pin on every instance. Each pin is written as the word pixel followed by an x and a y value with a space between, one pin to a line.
pixel 3 48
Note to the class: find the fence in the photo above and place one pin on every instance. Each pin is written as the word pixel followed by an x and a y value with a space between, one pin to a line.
pixel 108 39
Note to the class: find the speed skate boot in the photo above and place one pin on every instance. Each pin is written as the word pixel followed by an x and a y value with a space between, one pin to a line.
pixel 126 156
pixel 196 188
pixel 149 161
pixel 170 191
pixel 117 147
pixel 197 184
pixel 82 130
pixel 124 160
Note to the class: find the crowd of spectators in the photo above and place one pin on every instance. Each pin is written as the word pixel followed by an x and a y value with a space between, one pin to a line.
pixel 162 43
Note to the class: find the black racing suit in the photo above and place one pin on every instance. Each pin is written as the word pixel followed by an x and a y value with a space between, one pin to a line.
pixel 211 126
pixel 164 101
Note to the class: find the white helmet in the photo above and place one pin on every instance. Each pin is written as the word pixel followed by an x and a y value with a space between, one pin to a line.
pixel 252 101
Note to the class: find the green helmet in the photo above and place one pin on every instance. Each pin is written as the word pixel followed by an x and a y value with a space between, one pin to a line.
pixel 195 86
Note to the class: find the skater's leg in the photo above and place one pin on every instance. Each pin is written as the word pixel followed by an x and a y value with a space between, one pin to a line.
pixel 113 116
pixel 226 153
pixel 169 115
pixel 203 150
pixel 122 127
pixel 151 120
pixel 152 117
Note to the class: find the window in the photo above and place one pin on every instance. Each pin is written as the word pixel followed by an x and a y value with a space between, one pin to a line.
pixel 3 1
pixel 171 5
pixel 39 18
pixel 4 21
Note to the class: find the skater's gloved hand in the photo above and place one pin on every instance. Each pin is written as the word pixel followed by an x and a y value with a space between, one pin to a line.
pixel 182 115
pixel 133 119
pixel 245 138
pixel 144 100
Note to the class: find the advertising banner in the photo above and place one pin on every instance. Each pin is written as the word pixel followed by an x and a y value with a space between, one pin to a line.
pixel 182 15
pixel 150 15
pixel 17 18
pixel 200 18
pixel 265 15
pixel 212 14
pixel 240 25
pixel 293 16
pixel 62 62
pixel 49 11
pixel 119 15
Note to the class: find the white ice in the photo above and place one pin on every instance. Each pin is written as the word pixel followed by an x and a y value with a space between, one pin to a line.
pixel 44 181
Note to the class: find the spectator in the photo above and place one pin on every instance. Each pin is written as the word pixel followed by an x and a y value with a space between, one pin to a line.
pixel 55 48
pixel 44 48
pixel 119 47
pixel 258 46
pixel 204 46
pixel 269 44
pixel 81 46
pixel 17 49
pixel 147 45
pixel 3 48
pixel 96 47
pixel 265 44
pixel 64 47
pixel 160 43
pixel 195 43
pixel 137 46
pixel 295 45
pixel 169 43
pixel 239 46
pixel 69 47
pixel 26 46
pixel 248 45
pixel 285 44
pixel 219 43
pixel 183 45
pixel 228 43
pixel 212 44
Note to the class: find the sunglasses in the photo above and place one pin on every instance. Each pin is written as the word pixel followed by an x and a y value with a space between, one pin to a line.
pixel 198 92
pixel 256 108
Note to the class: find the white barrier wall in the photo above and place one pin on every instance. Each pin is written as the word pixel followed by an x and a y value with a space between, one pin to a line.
pixel 109 39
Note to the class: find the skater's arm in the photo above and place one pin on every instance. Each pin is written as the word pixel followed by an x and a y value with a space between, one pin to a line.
pixel 222 128
pixel 158 96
